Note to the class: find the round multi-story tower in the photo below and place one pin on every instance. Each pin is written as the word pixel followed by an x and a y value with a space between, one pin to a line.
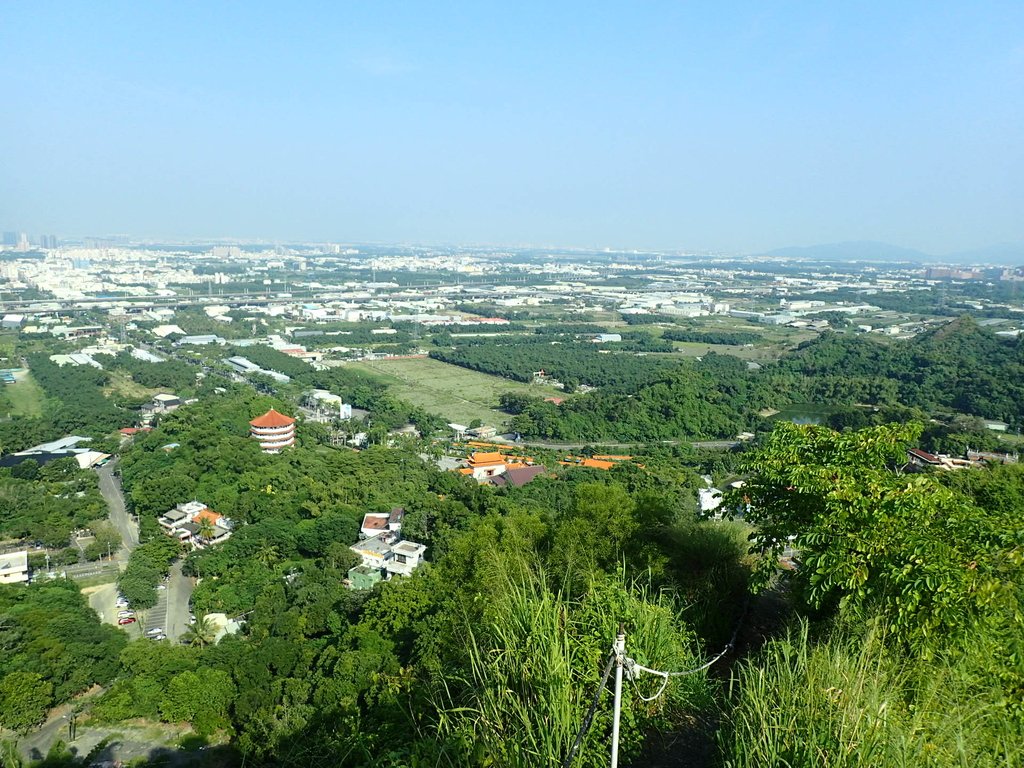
pixel 273 430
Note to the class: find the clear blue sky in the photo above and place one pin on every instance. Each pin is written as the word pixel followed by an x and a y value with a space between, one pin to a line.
pixel 711 125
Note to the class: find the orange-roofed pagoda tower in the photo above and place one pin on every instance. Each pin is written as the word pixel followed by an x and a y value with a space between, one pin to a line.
pixel 273 430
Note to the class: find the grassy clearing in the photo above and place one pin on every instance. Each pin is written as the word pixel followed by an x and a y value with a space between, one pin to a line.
pixel 25 395
pixel 758 353
pixel 99 580
pixel 457 394
pixel 122 385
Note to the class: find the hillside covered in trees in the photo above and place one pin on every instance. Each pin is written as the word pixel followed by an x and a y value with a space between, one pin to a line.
pixel 958 368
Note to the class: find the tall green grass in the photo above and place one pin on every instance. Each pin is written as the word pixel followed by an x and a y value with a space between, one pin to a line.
pixel 849 702
pixel 535 663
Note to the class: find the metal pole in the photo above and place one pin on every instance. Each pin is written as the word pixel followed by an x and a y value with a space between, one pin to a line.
pixel 620 655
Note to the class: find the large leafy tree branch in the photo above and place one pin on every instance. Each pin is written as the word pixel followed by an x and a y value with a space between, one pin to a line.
pixel 873 537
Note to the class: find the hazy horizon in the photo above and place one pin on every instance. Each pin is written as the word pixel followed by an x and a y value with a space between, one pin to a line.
pixel 734 128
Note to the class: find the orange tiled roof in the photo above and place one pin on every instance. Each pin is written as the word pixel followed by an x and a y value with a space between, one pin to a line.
pixel 208 514
pixel 597 464
pixel 272 419
pixel 478 459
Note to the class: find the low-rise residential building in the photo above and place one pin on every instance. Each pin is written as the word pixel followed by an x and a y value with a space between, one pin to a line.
pixel 406 557
pixel 364 577
pixel 196 524
pixel 374 551
pixel 376 523
pixel 163 403
pixel 388 556
pixel 14 567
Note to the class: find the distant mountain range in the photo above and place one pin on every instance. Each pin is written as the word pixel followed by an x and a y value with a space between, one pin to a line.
pixel 1002 253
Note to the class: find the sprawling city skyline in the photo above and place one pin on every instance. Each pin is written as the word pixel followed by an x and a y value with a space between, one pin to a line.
pixel 736 128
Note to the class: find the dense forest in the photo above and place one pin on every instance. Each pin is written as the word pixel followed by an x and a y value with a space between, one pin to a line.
pixel 423 670
pixel 903 645
pixel 46 503
pixel 959 368
pixel 702 399
pixel 711 336
pixel 173 375
pixel 908 646
pixel 54 647
pixel 569 361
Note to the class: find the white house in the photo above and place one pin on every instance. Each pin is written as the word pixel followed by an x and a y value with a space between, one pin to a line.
pixel 392 557
pixel 14 567
pixel 183 523
pixel 406 557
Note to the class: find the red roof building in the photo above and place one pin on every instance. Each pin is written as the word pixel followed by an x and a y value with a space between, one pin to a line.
pixel 273 430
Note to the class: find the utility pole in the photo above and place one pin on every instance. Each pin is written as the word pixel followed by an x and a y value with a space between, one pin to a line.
pixel 620 658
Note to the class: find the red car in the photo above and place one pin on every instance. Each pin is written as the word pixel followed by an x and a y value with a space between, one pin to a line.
pixel 126 620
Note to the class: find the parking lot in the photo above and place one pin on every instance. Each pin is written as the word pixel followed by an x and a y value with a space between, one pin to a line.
pixel 170 613
pixel 156 617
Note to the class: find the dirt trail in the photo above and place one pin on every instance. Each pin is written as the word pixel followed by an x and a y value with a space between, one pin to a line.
pixel 693 745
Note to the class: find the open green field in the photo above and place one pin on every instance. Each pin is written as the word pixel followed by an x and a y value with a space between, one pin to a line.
pixel 458 394
pixel 757 353
pixel 121 384
pixel 25 396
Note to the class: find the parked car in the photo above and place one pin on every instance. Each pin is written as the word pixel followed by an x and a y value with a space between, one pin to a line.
pixel 127 620
pixel 161 636
pixel 154 631
pixel 161 586
pixel 125 614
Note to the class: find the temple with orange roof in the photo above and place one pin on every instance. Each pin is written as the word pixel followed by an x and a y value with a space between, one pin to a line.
pixel 273 431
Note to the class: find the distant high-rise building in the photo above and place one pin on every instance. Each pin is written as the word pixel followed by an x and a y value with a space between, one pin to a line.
pixel 10 238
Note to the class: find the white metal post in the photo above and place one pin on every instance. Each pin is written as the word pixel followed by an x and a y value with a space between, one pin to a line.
pixel 620 655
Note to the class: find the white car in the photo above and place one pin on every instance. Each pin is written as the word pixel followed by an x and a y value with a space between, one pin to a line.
pixel 125 614
pixel 161 636
pixel 161 586
pixel 154 631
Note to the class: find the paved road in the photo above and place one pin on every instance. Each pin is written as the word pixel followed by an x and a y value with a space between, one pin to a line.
pixel 110 488
pixel 35 745
pixel 179 592
pixel 715 444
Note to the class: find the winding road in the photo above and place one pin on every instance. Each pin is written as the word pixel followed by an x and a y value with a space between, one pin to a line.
pixel 110 489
